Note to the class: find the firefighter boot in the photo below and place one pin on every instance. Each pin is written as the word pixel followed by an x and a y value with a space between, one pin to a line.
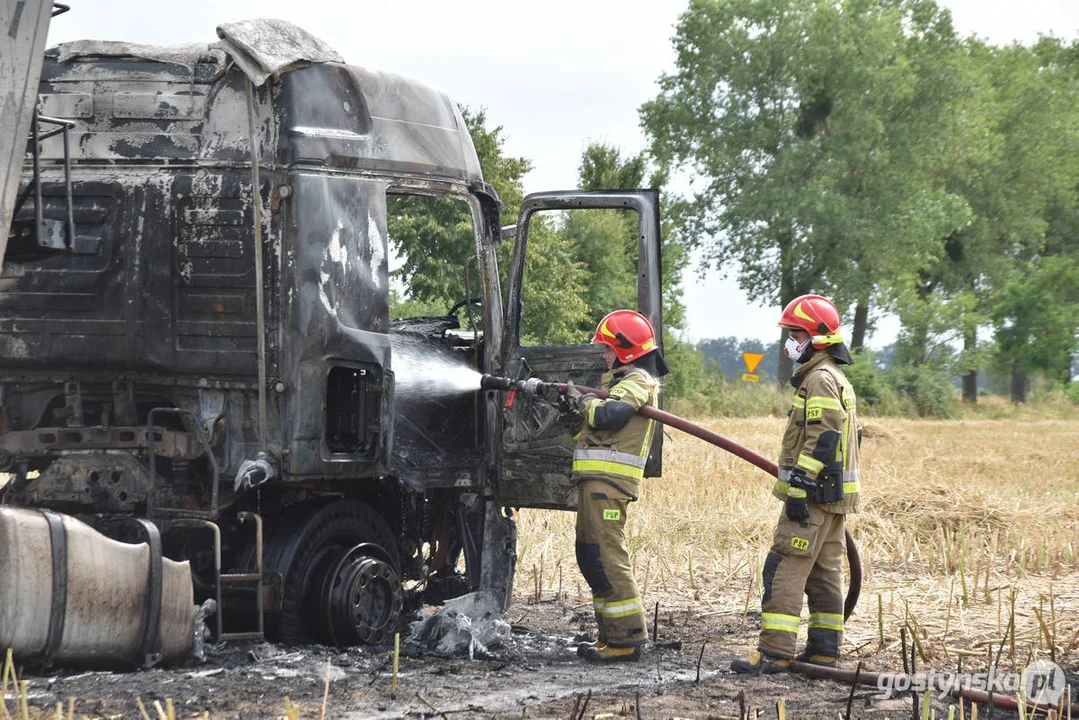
pixel 814 658
pixel 760 662
pixel 606 653
pixel 586 646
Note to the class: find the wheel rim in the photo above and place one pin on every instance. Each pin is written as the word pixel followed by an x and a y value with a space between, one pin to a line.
pixel 354 596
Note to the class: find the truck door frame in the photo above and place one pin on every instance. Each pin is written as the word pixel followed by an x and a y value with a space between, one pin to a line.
pixel 535 468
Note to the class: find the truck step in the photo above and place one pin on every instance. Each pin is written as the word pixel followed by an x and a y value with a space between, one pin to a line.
pixel 240 578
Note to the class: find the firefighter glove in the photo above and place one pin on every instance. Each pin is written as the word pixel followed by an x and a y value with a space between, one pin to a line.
pixel 553 393
pixel 558 396
pixel 798 488
pixel 573 421
pixel 576 399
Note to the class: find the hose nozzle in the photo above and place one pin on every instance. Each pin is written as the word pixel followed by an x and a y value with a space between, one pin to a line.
pixel 493 382
pixel 531 386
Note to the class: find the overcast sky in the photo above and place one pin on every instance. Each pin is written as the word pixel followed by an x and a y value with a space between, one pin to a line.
pixel 556 75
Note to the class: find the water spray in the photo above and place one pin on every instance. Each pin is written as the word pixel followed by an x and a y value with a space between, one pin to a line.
pixel 422 370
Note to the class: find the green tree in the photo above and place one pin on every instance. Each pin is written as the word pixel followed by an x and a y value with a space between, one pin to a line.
pixel 1012 165
pixel 434 235
pixel 604 168
pixel 501 172
pixel 434 238
pixel 606 244
pixel 812 126
pixel 1037 321
pixel 555 310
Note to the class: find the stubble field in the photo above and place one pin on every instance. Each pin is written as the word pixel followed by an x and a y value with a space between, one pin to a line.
pixel 968 534
pixel 965 526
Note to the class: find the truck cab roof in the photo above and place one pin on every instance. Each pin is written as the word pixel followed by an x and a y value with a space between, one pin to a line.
pixel 188 103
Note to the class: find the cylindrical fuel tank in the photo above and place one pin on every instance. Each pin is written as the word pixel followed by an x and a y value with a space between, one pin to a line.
pixel 70 595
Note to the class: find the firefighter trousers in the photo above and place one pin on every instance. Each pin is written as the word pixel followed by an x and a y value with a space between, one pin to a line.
pixel 603 559
pixel 806 558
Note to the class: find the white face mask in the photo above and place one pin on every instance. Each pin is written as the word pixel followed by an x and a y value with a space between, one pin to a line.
pixel 794 349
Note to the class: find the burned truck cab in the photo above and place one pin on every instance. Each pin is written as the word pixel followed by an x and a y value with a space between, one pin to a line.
pixel 202 333
pixel 352 163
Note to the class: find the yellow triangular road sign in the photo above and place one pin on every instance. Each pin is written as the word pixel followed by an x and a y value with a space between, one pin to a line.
pixel 752 360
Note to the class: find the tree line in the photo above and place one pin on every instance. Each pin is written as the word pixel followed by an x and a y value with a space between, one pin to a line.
pixel 858 149
pixel 863 150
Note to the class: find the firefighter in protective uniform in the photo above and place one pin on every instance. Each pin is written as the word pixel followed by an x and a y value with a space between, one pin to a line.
pixel 608 465
pixel 818 484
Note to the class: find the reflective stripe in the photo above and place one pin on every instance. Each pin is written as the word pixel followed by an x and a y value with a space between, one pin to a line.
pixel 795 492
pixel 611 468
pixel 826 621
pixel 822 402
pixel 841 454
pixel 605 460
pixel 609 455
pixel 638 391
pixel 851 483
pixel 778 621
pixel 647 444
pixel 811 464
pixel 597 604
pixel 798 402
pixel 623 608
pixel 831 339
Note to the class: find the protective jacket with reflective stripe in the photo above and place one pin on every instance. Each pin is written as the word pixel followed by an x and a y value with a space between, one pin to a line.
pixel 821 437
pixel 615 441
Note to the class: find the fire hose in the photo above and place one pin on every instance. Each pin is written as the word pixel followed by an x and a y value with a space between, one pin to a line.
pixel 536 387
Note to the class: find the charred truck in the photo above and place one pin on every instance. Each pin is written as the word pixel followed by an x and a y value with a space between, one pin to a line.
pixel 197 352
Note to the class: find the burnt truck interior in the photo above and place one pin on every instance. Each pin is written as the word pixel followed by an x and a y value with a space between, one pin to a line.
pixel 243 378
pixel 431 250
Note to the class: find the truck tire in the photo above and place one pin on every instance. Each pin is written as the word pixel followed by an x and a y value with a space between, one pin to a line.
pixel 336 558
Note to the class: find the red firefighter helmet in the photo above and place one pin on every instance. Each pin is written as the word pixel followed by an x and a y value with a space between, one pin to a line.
pixel 817 316
pixel 627 332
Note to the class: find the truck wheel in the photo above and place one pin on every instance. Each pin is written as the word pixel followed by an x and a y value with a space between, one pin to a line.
pixel 341 583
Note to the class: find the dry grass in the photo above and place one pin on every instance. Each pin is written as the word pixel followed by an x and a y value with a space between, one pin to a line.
pixel 956 517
